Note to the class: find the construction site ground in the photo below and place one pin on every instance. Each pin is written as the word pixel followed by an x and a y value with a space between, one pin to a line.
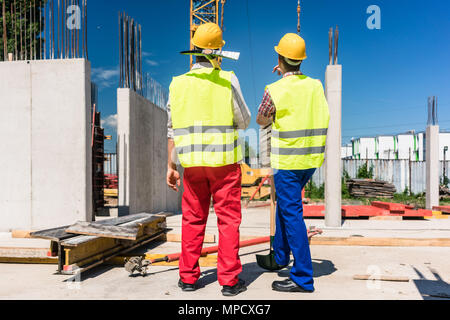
pixel 334 268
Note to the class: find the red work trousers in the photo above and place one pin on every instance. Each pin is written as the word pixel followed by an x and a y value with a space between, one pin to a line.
pixel 224 185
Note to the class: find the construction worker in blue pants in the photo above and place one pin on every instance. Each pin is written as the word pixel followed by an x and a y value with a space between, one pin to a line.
pixel 298 111
pixel 291 234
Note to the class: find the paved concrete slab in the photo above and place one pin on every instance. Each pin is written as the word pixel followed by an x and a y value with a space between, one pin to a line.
pixel 334 268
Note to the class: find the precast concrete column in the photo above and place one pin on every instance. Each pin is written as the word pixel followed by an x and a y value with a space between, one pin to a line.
pixel 432 166
pixel 333 187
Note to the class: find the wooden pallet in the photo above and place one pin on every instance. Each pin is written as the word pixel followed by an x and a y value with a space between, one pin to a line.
pixel 81 252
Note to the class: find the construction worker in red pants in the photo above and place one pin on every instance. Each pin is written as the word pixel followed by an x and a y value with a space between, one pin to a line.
pixel 205 110
pixel 298 111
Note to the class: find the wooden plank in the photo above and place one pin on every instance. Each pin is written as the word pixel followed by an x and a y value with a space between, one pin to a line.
pixel 86 249
pixel 104 257
pixel 25 260
pixel 59 234
pixel 21 234
pixel 443 209
pixel 380 242
pixel 245 238
pixel 172 237
pixel 8 252
pixel 381 278
pixel 115 232
pixel 387 218
pixel 150 220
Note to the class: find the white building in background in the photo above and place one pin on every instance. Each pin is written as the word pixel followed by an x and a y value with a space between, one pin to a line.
pixel 444 141
pixel 347 151
pixel 364 148
pixel 385 148
pixel 403 146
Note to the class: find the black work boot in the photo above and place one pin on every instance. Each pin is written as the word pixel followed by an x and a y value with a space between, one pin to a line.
pixel 288 286
pixel 187 287
pixel 239 287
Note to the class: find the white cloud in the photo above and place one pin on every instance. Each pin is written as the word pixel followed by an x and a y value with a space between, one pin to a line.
pixel 152 63
pixel 146 54
pixel 104 77
pixel 110 122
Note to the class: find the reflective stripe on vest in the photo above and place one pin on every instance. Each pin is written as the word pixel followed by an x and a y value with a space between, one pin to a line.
pixel 202 116
pixel 301 124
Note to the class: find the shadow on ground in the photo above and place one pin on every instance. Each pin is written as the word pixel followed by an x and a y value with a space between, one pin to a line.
pixel 321 268
pixel 432 289
pixel 250 272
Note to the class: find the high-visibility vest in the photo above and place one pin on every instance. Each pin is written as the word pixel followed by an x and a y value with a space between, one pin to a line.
pixel 201 105
pixel 299 131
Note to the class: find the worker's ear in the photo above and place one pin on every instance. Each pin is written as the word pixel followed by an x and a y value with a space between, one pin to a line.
pixel 281 63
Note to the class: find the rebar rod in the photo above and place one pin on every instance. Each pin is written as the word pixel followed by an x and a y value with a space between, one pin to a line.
pixel 140 59
pixel 336 43
pixel 82 29
pixel 86 28
pixel 40 29
pixel 58 25
pixel 34 31
pixel 50 35
pixel 127 77
pixel 78 29
pixel 54 36
pixel 25 31
pixel 20 28
pixel 330 45
pixel 66 30
pixel 31 38
pixel 73 29
pixel 32 44
pixel 75 3
pixel 120 49
pixel 14 24
pixel 5 36
pixel 44 27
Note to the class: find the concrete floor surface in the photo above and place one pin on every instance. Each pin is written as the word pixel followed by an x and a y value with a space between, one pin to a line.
pixel 334 268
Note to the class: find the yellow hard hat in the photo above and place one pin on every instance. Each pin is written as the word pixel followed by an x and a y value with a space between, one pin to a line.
pixel 292 46
pixel 208 36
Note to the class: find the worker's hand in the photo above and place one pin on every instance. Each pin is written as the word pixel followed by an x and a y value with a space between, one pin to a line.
pixel 277 69
pixel 173 179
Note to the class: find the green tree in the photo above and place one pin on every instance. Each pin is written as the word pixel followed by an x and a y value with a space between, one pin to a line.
pixel 364 172
pixel 18 26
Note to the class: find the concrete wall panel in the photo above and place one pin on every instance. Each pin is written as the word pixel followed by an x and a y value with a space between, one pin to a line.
pixel 48 150
pixel 15 151
pixel 142 156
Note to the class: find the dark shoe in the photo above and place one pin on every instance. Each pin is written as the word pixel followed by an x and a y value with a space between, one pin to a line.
pixel 186 287
pixel 288 286
pixel 240 287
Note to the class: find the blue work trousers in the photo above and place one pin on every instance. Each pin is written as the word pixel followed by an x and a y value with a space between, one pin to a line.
pixel 291 233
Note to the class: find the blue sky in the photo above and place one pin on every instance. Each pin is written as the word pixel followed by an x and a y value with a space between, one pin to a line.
pixel 387 74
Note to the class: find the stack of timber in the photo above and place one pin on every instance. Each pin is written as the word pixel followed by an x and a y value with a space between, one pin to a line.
pixel 444 192
pixel 362 188
pixel 85 245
